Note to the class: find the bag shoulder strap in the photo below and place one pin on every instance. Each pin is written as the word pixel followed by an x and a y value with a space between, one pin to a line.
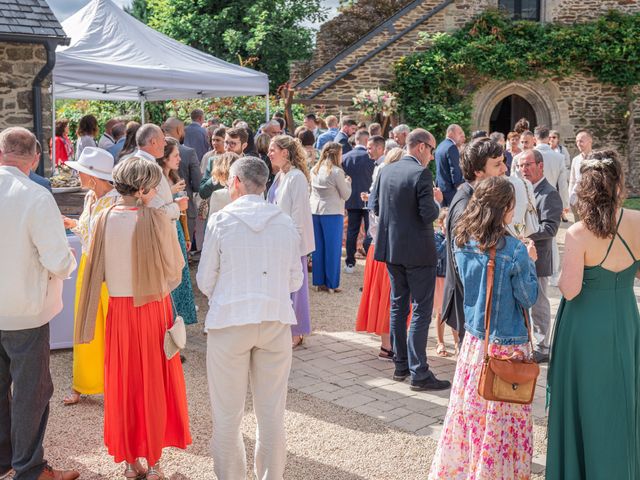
pixel 491 266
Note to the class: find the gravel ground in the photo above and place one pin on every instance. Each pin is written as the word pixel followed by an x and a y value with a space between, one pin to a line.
pixel 325 441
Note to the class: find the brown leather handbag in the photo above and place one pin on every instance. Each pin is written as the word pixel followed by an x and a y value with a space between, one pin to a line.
pixel 511 380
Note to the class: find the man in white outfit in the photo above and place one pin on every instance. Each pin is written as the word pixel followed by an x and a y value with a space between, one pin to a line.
pixel 584 142
pixel 35 258
pixel 250 264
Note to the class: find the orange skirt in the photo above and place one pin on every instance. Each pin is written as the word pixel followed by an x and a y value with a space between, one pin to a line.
pixel 375 304
pixel 145 399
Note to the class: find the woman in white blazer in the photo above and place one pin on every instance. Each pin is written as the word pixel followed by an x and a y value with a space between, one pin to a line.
pixel 330 187
pixel 290 191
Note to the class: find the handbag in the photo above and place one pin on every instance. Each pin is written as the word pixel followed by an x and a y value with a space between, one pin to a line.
pixel 175 338
pixel 511 380
pixel 531 222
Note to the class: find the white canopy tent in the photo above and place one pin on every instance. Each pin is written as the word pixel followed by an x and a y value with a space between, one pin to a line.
pixel 113 56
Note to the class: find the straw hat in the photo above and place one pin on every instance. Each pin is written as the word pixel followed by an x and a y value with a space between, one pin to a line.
pixel 95 162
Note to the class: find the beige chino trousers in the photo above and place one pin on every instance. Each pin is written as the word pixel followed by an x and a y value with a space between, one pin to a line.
pixel 261 353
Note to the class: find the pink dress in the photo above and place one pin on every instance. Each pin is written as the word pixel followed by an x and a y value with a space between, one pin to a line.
pixel 482 440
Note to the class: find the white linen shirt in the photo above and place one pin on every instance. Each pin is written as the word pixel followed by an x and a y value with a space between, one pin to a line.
pixel 33 249
pixel 249 265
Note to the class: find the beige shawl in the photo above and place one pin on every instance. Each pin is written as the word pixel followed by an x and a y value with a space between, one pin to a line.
pixel 157 265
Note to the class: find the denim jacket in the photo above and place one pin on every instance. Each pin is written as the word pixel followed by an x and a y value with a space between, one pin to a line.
pixel 515 287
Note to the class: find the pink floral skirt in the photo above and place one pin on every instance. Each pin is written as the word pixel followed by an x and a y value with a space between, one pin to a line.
pixel 481 439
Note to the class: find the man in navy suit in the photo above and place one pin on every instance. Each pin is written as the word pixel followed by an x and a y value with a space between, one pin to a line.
pixel 358 165
pixel 403 198
pixel 448 173
pixel 349 127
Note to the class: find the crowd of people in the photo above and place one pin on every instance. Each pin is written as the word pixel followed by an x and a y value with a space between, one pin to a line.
pixel 475 248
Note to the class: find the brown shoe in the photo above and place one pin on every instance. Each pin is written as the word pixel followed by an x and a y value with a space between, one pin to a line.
pixel 50 474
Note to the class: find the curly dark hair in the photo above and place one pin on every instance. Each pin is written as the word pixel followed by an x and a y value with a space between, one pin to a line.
pixel 521 126
pixel 600 192
pixel 483 219
pixel 61 126
pixel 475 156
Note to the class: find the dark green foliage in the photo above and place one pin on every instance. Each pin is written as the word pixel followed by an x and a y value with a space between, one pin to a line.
pixel 435 86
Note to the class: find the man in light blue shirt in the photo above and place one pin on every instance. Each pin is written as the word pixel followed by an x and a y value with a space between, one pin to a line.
pixel 329 135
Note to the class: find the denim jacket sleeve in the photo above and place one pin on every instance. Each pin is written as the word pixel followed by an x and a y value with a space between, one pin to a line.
pixel 523 277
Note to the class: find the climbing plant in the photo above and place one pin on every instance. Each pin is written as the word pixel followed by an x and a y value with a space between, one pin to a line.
pixel 435 86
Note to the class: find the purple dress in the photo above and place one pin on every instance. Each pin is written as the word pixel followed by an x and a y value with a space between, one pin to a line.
pixel 300 298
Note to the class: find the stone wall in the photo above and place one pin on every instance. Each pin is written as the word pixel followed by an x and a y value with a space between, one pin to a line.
pixel 571 11
pixel 19 64
pixel 378 70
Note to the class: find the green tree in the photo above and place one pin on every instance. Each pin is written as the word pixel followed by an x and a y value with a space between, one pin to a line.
pixel 138 9
pixel 263 34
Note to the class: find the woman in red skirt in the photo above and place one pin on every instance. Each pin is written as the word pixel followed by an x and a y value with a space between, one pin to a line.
pixel 135 250
pixel 375 304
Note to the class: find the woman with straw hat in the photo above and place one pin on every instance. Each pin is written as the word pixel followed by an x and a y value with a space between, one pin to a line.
pixel 94 168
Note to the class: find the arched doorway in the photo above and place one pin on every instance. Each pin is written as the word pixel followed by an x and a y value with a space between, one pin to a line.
pixel 510 101
pixel 508 111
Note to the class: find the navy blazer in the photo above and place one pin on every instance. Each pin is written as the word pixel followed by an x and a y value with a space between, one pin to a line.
pixel 195 136
pixel 189 171
pixel 343 140
pixel 359 166
pixel 448 172
pixel 549 207
pixel 403 199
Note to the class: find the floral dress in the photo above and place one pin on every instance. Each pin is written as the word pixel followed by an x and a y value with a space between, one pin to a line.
pixel 483 440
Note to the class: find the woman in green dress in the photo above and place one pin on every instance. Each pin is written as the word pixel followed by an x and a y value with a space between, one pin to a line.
pixel 594 375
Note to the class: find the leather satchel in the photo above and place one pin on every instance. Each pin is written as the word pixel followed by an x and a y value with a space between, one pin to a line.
pixel 511 380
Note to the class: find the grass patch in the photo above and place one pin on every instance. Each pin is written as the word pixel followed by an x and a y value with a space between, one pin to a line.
pixel 632 203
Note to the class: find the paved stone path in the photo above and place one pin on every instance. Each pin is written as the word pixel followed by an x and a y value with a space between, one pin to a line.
pixel 343 368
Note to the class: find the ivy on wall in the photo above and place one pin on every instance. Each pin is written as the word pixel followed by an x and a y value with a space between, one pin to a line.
pixel 435 87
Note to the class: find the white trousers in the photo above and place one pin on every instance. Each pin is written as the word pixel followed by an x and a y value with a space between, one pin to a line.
pixel 262 353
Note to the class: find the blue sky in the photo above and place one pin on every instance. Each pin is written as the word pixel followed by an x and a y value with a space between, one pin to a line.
pixel 64 8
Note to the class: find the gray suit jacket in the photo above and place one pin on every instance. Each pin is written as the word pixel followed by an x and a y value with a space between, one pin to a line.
pixel 189 170
pixel 549 206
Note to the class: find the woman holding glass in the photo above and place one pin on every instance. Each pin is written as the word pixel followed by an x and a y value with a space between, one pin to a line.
pixel 94 168
pixel 290 191
pixel 183 294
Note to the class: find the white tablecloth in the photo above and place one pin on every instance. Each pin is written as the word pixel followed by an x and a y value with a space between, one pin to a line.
pixel 62 324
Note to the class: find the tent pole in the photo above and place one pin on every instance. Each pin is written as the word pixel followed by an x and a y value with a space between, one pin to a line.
pixel 142 110
pixel 267 103
pixel 53 128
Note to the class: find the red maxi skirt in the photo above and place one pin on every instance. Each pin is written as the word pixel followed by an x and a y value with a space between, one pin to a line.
pixel 375 303
pixel 145 399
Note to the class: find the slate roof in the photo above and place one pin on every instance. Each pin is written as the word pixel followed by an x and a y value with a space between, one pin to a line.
pixel 29 18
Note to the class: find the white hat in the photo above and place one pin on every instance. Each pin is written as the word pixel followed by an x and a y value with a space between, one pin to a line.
pixel 95 162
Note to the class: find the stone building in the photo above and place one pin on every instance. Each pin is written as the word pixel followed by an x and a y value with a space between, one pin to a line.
pixel 29 34
pixel 566 104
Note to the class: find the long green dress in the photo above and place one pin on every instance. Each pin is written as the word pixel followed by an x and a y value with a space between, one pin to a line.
pixel 594 380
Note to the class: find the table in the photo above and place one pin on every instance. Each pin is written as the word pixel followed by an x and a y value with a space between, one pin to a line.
pixel 62 324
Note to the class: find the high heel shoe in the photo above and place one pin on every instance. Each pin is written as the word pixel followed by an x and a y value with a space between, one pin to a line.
pixel 154 473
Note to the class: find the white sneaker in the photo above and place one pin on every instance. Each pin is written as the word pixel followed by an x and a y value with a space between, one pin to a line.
pixel 349 269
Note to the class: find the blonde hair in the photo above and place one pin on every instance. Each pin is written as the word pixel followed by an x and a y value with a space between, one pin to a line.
pixel 393 155
pixel 221 166
pixel 331 156
pixel 135 173
pixel 297 153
